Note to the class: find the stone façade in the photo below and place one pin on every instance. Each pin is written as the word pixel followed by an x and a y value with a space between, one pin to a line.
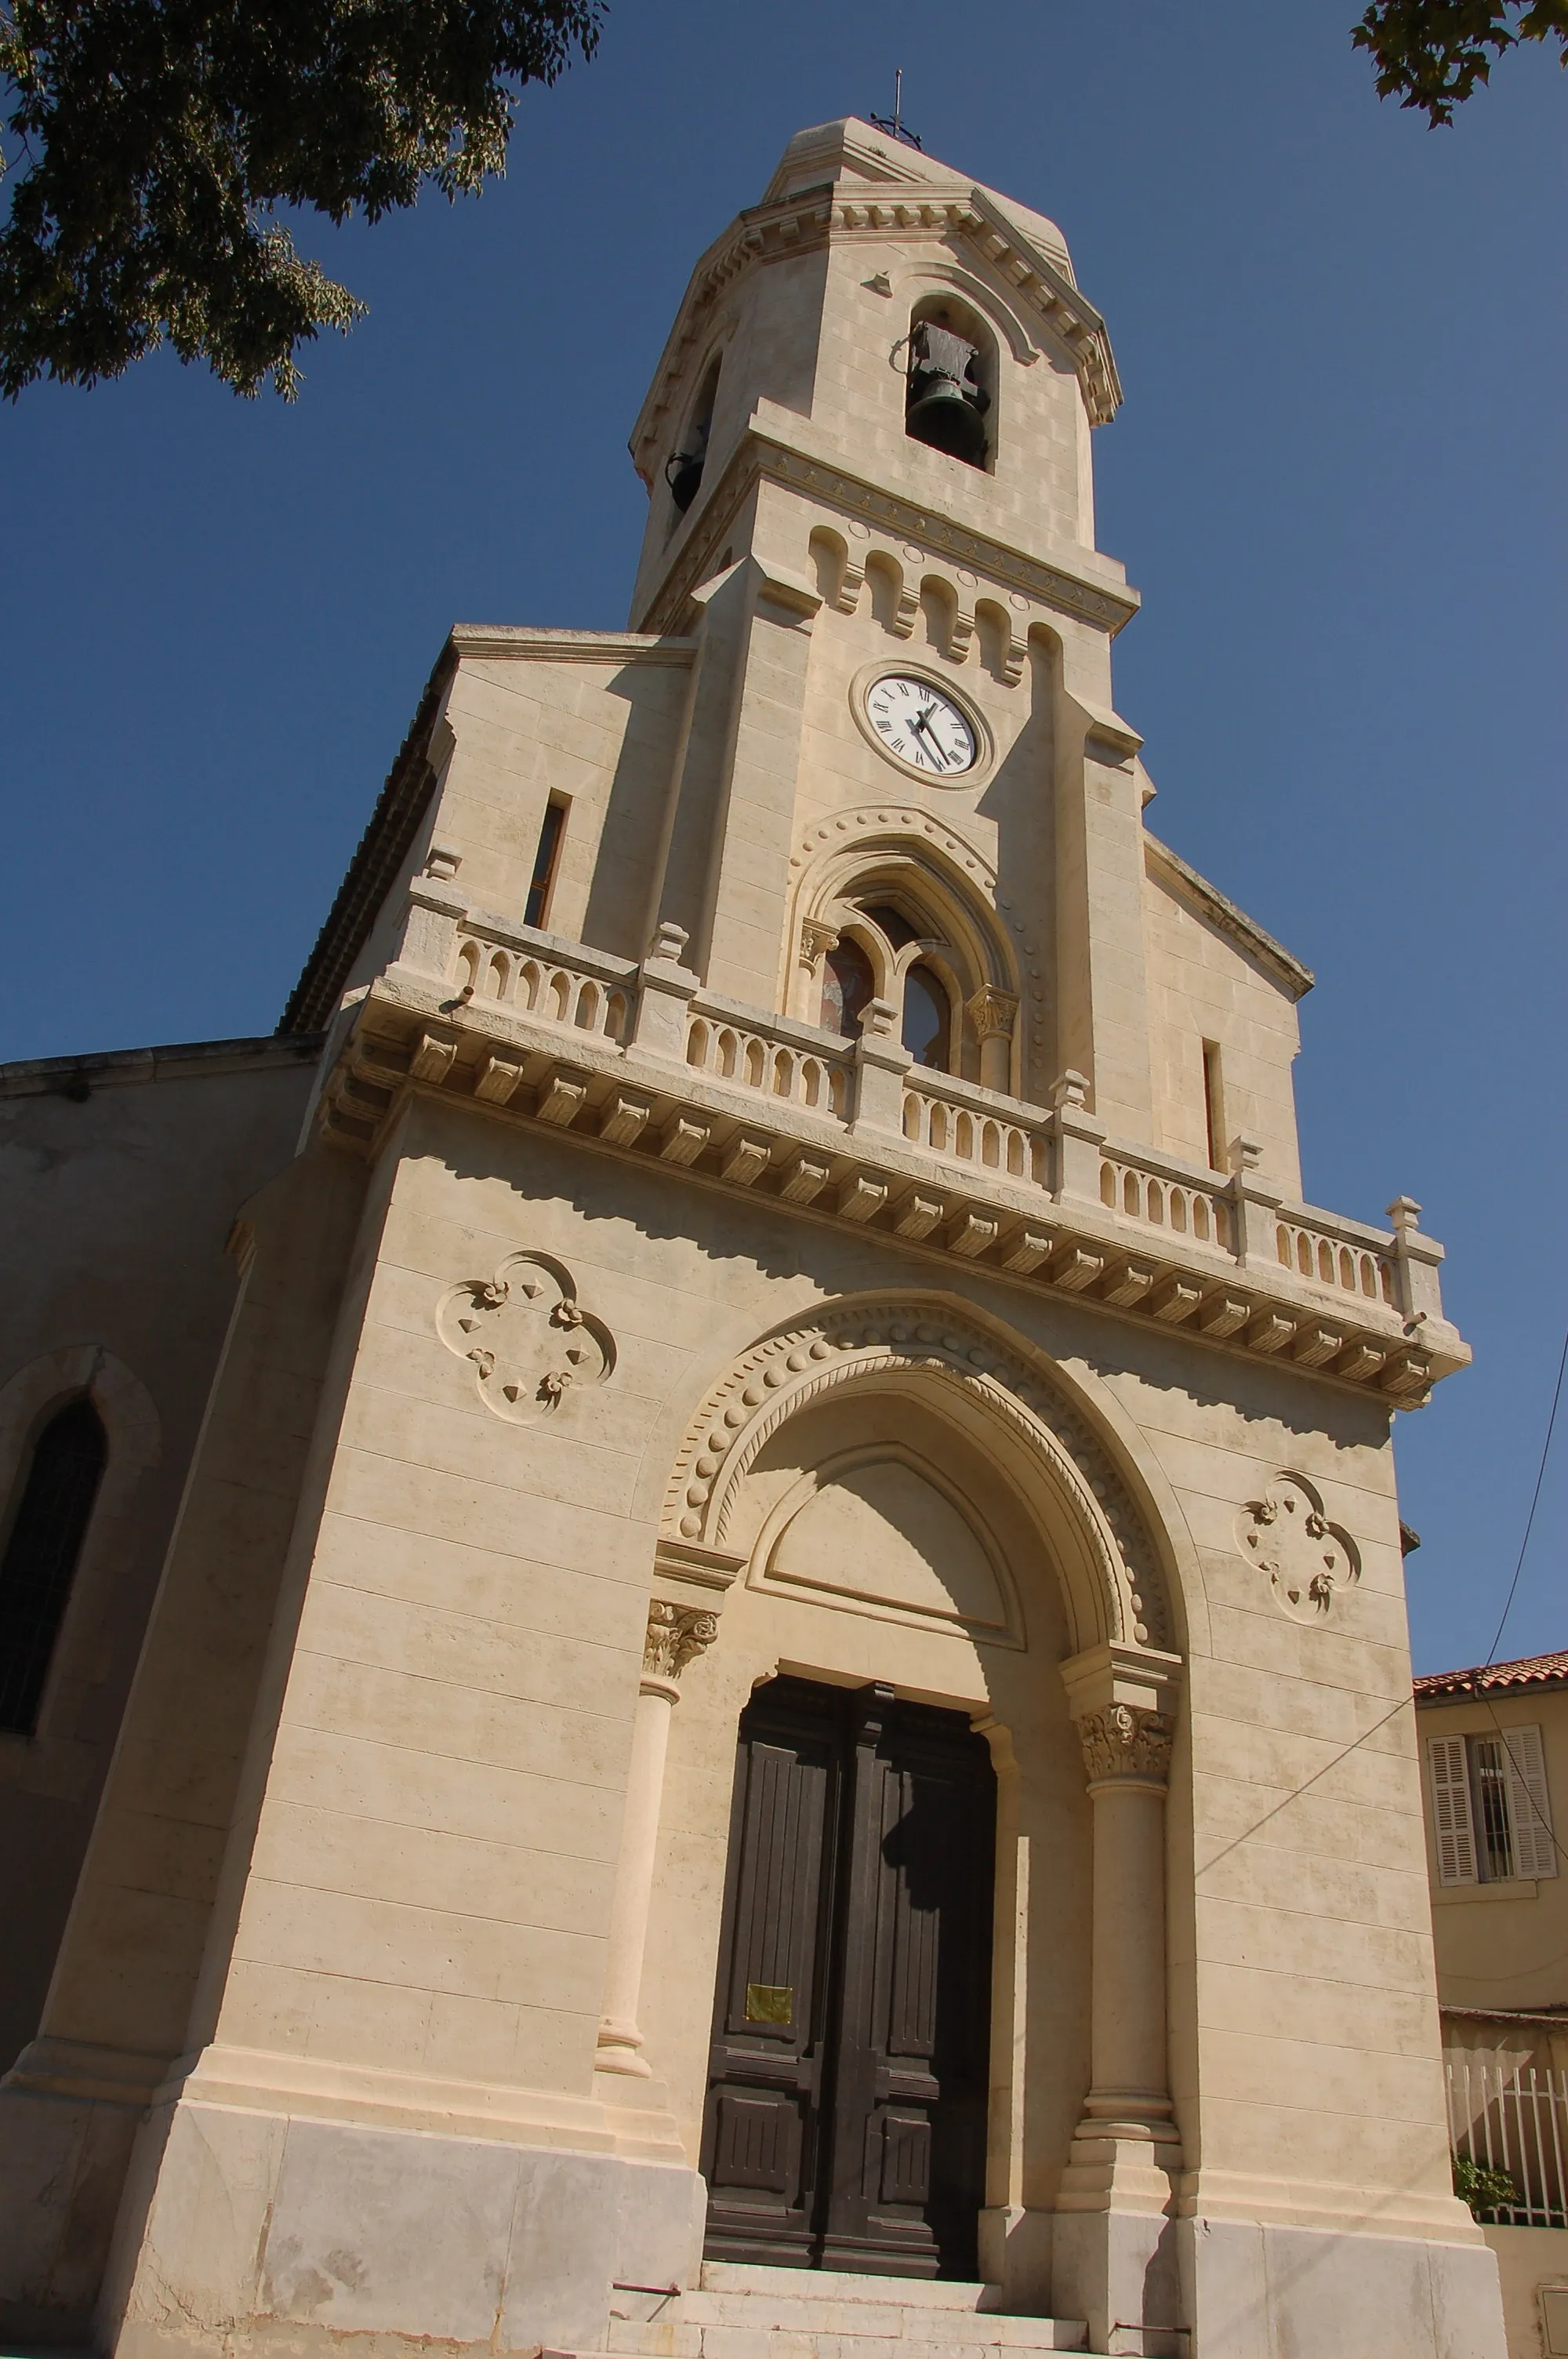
pixel 623 1335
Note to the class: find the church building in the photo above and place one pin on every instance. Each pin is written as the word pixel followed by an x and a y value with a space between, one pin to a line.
pixel 739 1690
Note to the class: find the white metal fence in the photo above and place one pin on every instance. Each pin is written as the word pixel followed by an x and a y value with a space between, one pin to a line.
pixel 1517 2122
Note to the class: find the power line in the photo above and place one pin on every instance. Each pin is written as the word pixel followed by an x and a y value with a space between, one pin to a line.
pixel 1507 1608
pixel 1534 1503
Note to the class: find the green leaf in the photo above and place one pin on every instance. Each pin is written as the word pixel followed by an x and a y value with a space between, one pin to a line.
pixel 159 139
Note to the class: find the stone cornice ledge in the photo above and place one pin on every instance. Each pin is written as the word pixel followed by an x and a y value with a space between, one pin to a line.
pixel 1224 915
pixel 516 643
pixel 412 1034
pixel 782 446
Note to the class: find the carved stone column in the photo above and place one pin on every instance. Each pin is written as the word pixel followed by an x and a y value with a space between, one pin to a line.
pixel 815 941
pixel 1128 1755
pixel 1125 2149
pixel 993 1014
pixel 674 1634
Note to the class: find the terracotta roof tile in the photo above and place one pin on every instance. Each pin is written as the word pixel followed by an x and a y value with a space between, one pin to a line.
pixel 1530 1671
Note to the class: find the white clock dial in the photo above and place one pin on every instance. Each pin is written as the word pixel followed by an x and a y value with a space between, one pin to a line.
pixel 920 726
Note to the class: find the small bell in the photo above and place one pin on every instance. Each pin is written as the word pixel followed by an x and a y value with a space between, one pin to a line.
pixel 944 405
pixel 682 472
pixel 946 417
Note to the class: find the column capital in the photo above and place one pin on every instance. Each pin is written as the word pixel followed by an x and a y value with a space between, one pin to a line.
pixel 676 1634
pixel 993 1012
pixel 817 939
pixel 1123 1742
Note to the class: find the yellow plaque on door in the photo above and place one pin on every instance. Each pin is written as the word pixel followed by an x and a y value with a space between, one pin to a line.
pixel 769 2003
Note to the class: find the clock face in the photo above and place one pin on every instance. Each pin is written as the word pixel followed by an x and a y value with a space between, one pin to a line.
pixel 920 726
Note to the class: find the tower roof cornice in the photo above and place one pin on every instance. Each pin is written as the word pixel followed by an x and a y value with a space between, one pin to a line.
pixel 1010 244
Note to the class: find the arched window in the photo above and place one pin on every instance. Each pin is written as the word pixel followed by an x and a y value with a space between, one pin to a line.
pixel 927 1017
pixel 848 982
pixel 40 1555
pixel 683 469
pixel 946 394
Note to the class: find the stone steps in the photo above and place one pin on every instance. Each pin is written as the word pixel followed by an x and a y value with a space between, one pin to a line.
pixel 742 2311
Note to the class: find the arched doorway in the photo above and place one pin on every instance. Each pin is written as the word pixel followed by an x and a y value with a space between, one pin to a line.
pixel 897 1515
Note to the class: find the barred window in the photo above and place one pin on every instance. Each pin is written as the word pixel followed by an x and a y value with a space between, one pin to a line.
pixel 40 1555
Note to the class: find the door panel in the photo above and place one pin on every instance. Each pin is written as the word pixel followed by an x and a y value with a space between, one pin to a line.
pixel 760 2141
pixel 848 2131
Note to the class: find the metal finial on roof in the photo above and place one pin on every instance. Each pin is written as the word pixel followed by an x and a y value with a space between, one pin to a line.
pixel 893 124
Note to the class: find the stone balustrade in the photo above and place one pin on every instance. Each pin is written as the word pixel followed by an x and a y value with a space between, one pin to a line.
pixel 549 1031
pixel 775 1059
pixel 1339 1254
pixel 976 1126
pixel 1150 1189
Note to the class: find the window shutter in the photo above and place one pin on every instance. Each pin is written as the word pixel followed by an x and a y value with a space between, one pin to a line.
pixel 1451 1810
pixel 1535 1853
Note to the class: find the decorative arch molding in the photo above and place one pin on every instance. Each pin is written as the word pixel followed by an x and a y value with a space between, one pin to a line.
pixel 27 1398
pixel 1111 1574
pixel 916 277
pixel 943 873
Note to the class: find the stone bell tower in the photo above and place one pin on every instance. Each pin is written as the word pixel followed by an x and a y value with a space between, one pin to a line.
pixel 781 1701
pixel 817 529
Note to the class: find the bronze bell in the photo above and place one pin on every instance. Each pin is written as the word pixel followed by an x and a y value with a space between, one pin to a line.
pixel 945 405
pixel 945 416
pixel 682 472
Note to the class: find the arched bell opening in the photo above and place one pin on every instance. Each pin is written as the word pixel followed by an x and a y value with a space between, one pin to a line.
pixel 950 380
pixel 683 467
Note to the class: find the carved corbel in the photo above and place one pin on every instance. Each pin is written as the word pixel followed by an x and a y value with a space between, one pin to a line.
pixel 851 582
pixel 815 941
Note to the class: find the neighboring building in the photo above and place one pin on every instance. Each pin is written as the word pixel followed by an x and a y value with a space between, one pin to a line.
pixel 1494 1747
pixel 784 1651
pixel 1494 1744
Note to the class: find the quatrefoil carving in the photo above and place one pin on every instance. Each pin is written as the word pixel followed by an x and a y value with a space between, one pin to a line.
pixel 528 1339
pixel 1309 1560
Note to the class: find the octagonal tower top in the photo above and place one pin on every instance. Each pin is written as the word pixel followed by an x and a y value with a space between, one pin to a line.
pixel 881 312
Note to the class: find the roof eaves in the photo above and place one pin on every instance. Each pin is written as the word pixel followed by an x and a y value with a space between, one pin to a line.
pixel 77 1077
pixel 1483 1678
pixel 1287 970
pixel 379 854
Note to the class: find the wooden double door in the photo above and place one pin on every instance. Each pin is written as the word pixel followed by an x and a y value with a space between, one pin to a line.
pixel 846 2120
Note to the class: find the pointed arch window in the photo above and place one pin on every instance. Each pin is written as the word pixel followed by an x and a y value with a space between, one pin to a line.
pixel 41 1553
pixel 927 1017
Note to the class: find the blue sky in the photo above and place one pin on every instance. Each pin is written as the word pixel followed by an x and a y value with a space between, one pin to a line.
pixel 1338 480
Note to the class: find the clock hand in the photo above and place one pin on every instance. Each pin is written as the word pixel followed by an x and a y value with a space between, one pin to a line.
pixel 919 722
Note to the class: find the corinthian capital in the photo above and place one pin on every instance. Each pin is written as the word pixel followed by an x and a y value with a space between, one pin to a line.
pixel 993 1013
pixel 1124 1741
pixel 675 1633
